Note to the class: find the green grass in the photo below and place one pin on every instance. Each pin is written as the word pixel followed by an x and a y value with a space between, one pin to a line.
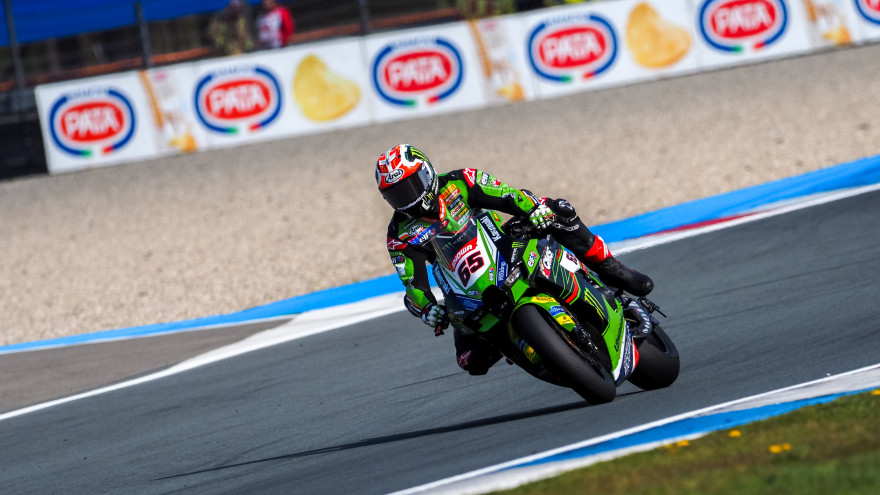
pixel 831 448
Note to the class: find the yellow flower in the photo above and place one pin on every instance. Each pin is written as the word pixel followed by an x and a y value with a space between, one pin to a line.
pixel 775 449
pixel 735 434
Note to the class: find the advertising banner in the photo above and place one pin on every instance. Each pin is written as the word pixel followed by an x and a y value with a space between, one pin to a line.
pixel 659 37
pixel 831 23
pixel 868 18
pixel 733 32
pixel 506 78
pixel 282 93
pixel 95 122
pixel 415 73
pixel 328 86
pixel 174 119
pixel 238 100
pixel 582 47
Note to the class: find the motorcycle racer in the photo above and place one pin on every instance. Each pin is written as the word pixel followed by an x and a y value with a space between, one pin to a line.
pixel 409 184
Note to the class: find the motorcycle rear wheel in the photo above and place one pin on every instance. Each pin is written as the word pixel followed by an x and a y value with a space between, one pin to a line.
pixel 658 361
pixel 592 382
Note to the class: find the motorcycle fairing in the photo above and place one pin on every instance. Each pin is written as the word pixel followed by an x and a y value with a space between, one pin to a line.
pixel 557 272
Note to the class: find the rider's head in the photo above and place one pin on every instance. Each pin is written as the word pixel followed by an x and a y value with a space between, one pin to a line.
pixel 407 181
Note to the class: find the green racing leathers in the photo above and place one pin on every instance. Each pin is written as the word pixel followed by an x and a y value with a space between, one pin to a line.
pixel 465 189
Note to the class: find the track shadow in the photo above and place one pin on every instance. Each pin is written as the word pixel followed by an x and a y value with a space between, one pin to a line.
pixel 505 418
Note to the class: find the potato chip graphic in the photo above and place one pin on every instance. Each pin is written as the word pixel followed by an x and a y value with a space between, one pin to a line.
pixel 320 93
pixel 654 41
pixel 838 36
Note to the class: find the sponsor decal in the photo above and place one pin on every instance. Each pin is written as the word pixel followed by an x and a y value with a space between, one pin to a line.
pixel 564 320
pixel 487 180
pixel 556 310
pixel 570 262
pixel 491 228
pixel 502 270
pixel 394 176
pixel 428 69
pixel 628 359
pixel 425 235
pixel 526 349
pixel 470 176
pixel 470 246
pixel 464 360
pixel 90 122
pixel 395 245
pixel 235 99
pixel 469 304
pixel 547 262
pixel 441 280
pixel 532 257
pixel 869 9
pixel 732 25
pixel 575 46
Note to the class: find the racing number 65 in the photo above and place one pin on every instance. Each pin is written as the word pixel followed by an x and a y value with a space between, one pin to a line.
pixel 474 263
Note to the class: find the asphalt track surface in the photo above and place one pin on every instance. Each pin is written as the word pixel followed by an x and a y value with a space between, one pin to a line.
pixel 381 406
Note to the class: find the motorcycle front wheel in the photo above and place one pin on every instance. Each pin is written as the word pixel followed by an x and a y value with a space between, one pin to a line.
pixel 554 345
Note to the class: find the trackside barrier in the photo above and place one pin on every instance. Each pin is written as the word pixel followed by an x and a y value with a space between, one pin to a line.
pixel 316 87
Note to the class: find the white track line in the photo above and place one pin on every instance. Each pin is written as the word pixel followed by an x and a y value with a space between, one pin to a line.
pixel 489 479
pixel 309 323
pixel 760 213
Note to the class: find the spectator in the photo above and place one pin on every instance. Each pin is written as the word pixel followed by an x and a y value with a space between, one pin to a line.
pixel 229 30
pixel 275 24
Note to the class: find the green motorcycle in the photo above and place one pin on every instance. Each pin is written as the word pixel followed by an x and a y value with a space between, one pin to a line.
pixel 531 299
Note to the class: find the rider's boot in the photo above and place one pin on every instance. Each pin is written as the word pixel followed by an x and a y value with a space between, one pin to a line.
pixel 614 273
pixel 473 354
pixel 591 250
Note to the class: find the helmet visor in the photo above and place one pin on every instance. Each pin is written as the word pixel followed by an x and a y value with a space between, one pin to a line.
pixel 410 192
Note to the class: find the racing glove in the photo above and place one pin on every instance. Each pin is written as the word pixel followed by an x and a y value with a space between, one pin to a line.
pixel 541 216
pixel 434 315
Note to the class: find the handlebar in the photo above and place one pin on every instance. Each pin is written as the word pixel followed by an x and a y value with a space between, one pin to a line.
pixel 519 227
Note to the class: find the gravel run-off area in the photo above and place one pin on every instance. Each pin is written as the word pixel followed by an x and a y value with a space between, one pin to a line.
pixel 217 232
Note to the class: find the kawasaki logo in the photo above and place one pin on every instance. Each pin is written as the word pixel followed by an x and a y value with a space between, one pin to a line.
pixel 490 226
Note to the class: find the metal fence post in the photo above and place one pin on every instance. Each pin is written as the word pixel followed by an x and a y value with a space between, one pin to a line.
pixel 365 16
pixel 145 35
pixel 16 55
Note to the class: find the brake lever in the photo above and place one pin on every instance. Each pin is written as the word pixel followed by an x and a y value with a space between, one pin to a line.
pixel 650 306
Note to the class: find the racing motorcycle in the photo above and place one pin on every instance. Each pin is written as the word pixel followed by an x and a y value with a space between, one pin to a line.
pixel 531 299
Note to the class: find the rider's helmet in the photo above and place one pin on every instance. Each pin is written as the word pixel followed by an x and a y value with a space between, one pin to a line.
pixel 407 181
